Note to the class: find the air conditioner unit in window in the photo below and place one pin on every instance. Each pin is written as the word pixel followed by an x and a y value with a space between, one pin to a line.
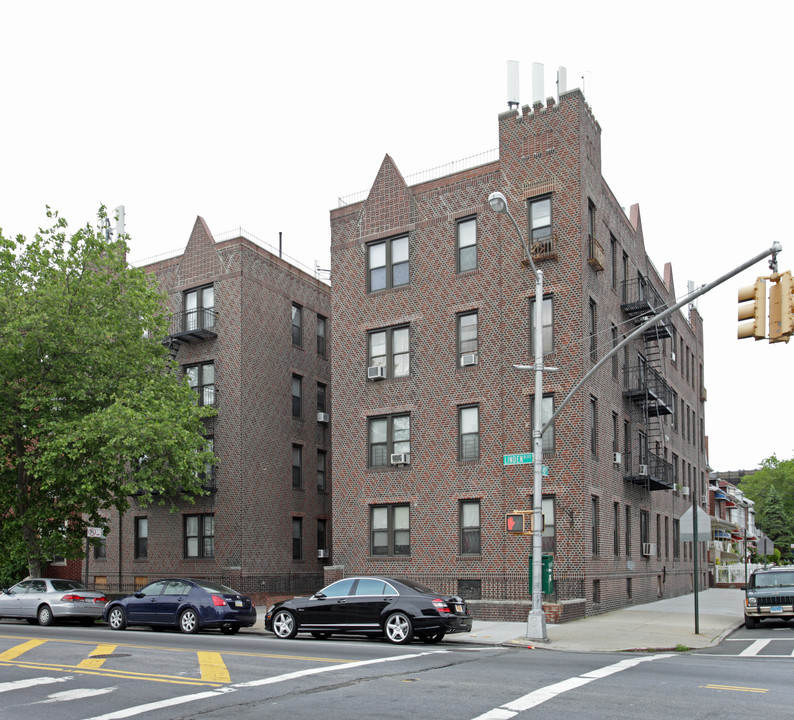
pixel 616 458
pixel 648 549
pixel 643 472
pixel 704 499
pixel 322 554
pixel 468 359
pixel 672 356
pixel 323 417
pixel 400 458
pixel 685 491
pixel 376 372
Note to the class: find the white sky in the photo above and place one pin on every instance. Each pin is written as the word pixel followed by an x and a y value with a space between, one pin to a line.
pixel 261 115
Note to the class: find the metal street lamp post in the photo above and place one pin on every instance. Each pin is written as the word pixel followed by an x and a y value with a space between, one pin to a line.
pixel 536 622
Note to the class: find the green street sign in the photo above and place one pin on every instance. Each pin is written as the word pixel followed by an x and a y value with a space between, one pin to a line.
pixel 518 459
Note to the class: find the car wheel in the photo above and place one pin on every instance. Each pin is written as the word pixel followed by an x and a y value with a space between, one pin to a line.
pixel 399 628
pixel 750 622
pixel 230 629
pixel 284 625
pixel 44 615
pixel 434 637
pixel 321 635
pixel 188 621
pixel 117 619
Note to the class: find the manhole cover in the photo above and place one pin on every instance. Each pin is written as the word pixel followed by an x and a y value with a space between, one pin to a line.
pixel 110 655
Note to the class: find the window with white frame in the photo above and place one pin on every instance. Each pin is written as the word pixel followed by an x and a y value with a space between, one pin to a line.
pixel 199 536
pixel 297 325
pixel 467 244
pixel 470 527
pixel 141 537
pixel 390 529
pixel 201 378
pixel 540 219
pixel 388 263
pixel 199 305
pixel 468 341
pixel 469 432
pixel 388 435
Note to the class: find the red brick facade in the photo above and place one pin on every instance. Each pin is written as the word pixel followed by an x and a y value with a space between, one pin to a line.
pixel 551 152
pixel 254 433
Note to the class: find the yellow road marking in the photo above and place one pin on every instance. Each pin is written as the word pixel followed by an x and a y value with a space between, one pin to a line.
pixel 18 650
pixel 735 687
pixel 92 662
pixel 212 667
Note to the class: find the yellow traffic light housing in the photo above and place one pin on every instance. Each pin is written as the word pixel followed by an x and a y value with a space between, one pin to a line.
pixel 781 308
pixel 752 307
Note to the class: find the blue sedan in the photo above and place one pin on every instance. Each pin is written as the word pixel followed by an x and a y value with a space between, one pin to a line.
pixel 189 605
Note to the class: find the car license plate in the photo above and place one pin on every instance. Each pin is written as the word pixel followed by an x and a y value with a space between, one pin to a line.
pixel 458 608
pixel 238 603
pixel 776 609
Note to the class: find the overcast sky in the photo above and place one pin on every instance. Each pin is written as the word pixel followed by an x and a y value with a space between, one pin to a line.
pixel 260 115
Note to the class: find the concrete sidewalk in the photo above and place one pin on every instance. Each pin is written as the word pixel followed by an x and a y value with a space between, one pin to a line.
pixel 661 625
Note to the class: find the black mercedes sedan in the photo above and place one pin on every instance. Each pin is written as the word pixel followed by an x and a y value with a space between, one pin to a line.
pixel 396 608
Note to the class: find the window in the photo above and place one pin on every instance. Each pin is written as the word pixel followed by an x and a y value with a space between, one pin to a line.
pixel 613 250
pixel 469 433
pixel 141 537
pixel 467 244
pixel 322 534
pixel 199 308
pixel 468 338
pixel 626 445
pixel 643 449
pixel 202 379
pixel 470 527
pixel 322 332
pixel 616 529
pixel 388 435
pixel 624 295
pixel 596 592
pixel 322 458
pixel 644 527
pixel 539 220
pixel 658 535
pixel 593 426
pixel 321 398
pixel 388 265
pixel 546 412
pixel 674 408
pixel 593 331
pixel 615 361
pixel 591 227
pixel 297 325
pixel 100 551
pixel 594 523
pixel 297 467
pixel 199 536
pixel 391 349
pixel 615 433
pixel 676 538
pixel 666 536
pixel 547 315
pixel 297 393
pixel 628 530
pixel 297 538
pixel 391 530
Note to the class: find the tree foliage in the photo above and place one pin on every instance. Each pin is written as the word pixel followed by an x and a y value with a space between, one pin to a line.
pixel 772 490
pixel 92 410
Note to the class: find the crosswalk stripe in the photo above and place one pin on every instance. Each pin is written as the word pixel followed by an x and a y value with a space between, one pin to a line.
pixel 213 669
pixel 754 648
pixel 18 650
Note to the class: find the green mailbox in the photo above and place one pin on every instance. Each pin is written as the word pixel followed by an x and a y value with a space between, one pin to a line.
pixel 546 581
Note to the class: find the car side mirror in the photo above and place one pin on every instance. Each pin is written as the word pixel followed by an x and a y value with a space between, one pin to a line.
pixel 319 595
pixel 138 595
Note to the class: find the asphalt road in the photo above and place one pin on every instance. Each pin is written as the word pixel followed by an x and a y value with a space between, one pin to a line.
pixel 72 673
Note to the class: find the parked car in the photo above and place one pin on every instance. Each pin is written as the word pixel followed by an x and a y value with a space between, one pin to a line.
pixel 769 594
pixel 45 600
pixel 189 605
pixel 376 606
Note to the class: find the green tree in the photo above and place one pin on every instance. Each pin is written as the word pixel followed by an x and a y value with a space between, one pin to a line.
pixel 777 474
pixel 92 408
pixel 777 523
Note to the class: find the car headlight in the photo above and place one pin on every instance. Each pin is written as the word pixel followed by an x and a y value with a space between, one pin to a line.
pixel 752 602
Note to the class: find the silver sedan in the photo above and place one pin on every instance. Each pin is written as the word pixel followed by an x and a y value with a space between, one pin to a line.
pixel 44 600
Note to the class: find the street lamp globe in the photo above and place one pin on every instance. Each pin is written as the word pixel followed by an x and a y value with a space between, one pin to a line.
pixel 498 202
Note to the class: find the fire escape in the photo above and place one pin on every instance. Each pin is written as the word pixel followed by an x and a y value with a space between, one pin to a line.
pixel 646 389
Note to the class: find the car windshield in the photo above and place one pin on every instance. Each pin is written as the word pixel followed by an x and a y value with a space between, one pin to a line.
pixel 774 579
pixel 215 587
pixel 61 585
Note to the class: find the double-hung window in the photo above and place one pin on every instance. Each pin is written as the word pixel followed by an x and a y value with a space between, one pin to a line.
pixel 199 536
pixel 468 339
pixel 470 527
pixel 141 537
pixel 297 395
pixel 199 309
pixel 467 244
pixel 390 531
pixel 547 318
pixel 593 329
pixel 297 325
pixel 539 220
pixel 322 480
pixel 389 435
pixel 322 333
pixel 202 379
pixel 297 538
pixel 469 432
pixel 297 467
pixel 390 349
pixel 387 263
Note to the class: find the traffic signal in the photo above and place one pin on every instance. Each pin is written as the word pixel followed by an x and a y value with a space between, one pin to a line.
pixel 752 307
pixel 514 523
pixel 781 308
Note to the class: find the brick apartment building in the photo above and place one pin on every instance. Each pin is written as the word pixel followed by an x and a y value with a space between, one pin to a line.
pixel 251 333
pixel 432 306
